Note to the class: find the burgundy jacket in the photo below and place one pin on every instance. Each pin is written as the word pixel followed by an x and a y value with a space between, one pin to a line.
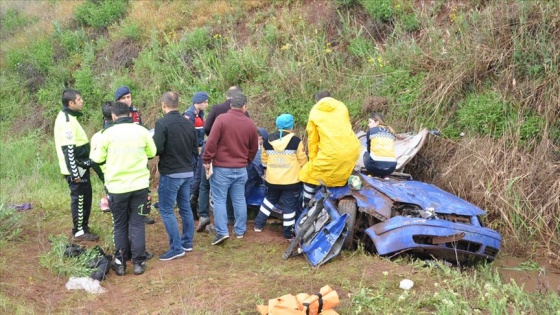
pixel 233 141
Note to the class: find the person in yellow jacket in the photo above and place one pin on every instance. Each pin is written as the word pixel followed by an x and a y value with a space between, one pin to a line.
pixel 72 149
pixel 282 156
pixel 125 149
pixel 333 147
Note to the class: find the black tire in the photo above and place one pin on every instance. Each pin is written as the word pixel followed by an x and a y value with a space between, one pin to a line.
pixel 348 206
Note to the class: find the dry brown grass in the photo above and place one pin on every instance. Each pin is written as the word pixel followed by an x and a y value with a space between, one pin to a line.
pixel 45 12
pixel 520 191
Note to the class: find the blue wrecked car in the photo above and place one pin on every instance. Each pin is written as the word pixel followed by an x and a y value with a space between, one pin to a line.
pixel 398 215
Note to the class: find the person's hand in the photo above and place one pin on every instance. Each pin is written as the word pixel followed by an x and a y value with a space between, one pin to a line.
pixel 84 163
pixel 206 167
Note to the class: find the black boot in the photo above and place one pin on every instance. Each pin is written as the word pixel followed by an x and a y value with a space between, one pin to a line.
pixel 139 268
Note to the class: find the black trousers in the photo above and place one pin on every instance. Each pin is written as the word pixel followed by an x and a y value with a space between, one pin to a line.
pixel 80 202
pixel 129 210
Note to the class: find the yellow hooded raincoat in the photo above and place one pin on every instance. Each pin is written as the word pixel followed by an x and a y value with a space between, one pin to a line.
pixel 333 146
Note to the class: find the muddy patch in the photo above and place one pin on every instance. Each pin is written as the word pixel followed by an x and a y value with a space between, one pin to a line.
pixel 534 276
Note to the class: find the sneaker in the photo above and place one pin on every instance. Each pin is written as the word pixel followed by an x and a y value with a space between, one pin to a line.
pixel 202 223
pixel 139 268
pixel 85 237
pixel 239 235
pixel 104 204
pixel 187 249
pixel 171 254
pixel 258 230
pixel 219 239
pixel 119 267
pixel 149 220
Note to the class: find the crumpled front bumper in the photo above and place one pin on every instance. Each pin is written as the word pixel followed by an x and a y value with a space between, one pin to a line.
pixel 436 237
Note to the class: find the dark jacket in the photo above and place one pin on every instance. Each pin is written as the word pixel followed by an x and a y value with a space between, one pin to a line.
pixel 176 143
pixel 216 111
pixel 197 118
pixel 233 141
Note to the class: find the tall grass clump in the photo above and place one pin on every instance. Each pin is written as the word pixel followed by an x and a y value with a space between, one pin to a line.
pixel 11 224
pixel 12 21
pixel 100 14
pixel 62 265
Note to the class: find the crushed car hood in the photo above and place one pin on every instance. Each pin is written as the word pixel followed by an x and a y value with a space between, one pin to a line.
pixel 422 194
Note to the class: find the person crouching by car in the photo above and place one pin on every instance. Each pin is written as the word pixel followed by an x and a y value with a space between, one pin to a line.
pixel 283 156
pixel 380 159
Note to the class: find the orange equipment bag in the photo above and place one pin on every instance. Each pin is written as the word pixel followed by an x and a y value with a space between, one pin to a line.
pixel 322 303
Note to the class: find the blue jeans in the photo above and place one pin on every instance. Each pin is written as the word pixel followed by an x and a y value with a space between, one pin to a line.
pixel 171 190
pixel 204 194
pixel 230 181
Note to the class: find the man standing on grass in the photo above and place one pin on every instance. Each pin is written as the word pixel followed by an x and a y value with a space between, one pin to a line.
pixel 232 144
pixel 177 147
pixel 204 189
pixel 195 113
pixel 124 95
pixel 72 149
pixel 125 149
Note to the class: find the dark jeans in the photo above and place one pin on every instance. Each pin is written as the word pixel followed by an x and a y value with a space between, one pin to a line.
pixel 198 170
pixel 129 210
pixel 286 200
pixel 377 168
pixel 80 202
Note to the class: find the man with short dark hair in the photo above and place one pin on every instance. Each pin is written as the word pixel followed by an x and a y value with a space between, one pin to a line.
pixel 177 146
pixel 124 95
pixel 232 144
pixel 72 149
pixel 108 122
pixel 125 149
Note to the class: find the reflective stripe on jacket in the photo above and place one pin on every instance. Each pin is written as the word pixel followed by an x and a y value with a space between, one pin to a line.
pixel 283 159
pixel 71 143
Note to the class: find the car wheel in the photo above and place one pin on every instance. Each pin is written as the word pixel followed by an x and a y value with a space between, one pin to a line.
pixel 348 206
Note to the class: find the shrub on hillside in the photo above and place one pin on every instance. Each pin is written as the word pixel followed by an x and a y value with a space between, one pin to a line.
pixel 100 14
pixel 485 114
pixel 12 21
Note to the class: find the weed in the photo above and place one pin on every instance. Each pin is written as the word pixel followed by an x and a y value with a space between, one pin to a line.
pixel 381 10
pixel 12 21
pixel 11 224
pixel 100 14
pixel 62 265
pixel 485 114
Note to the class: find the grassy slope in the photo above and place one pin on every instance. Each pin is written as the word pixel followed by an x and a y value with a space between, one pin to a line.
pixel 487 71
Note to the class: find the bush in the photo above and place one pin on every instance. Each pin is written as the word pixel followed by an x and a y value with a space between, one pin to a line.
pixel 10 223
pixel 485 114
pixel 12 21
pixel 381 10
pixel 100 14
pixel 410 22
